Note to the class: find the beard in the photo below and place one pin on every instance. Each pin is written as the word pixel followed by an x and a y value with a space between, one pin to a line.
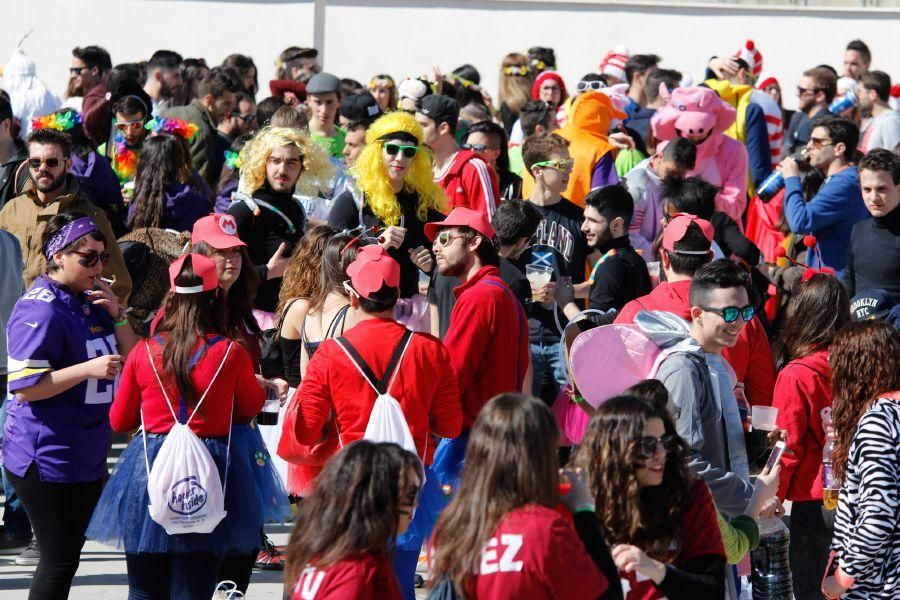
pixel 54 184
pixel 452 269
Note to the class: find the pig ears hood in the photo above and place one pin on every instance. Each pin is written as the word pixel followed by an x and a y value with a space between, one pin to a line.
pixel 593 112
pixel 697 109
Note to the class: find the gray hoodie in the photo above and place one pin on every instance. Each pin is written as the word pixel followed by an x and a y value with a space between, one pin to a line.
pixel 700 412
pixel 12 286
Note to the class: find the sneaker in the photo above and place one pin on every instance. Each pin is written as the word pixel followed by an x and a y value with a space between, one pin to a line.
pixel 31 556
pixel 11 544
pixel 270 558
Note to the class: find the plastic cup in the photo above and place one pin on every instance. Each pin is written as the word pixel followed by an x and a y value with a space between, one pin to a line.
pixel 654 269
pixel 763 417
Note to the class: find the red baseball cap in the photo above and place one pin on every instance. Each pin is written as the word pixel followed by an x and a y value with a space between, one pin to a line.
pixel 219 231
pixel 677 227
pixel 279 87
pixel 461 217
pixel 203 267
pixel 373 268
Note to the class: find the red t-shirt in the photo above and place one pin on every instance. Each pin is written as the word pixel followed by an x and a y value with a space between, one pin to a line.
pixel 368 577
pixel 472 183
pixel 139 389
pixel 535 554
pixel 700 536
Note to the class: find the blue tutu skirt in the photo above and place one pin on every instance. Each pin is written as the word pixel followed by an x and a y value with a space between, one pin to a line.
pixel 449 458
pixel 431 502
pixel 122 517
pixel 271 495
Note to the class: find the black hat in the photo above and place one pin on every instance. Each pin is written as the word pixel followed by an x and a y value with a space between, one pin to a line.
pixel 871 304
pixel 360 108
pixel 323 83
pixel 441 109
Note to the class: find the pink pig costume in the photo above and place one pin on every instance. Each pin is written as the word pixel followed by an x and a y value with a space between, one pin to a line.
pixel 721 160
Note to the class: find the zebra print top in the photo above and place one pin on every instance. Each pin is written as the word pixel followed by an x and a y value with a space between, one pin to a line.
pixel 867 524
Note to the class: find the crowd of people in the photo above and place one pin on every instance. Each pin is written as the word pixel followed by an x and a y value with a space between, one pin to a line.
pixel 517 345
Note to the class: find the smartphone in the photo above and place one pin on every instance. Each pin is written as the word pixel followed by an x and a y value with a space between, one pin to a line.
pixel 775 456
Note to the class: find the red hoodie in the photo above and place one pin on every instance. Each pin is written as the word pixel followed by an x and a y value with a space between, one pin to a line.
pixel 472 183
pixel 751 357
pixel 802 397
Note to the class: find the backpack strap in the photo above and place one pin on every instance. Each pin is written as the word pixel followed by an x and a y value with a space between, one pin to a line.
pixel 383 385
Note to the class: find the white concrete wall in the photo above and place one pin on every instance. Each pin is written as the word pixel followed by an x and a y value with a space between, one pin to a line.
pixel 363 37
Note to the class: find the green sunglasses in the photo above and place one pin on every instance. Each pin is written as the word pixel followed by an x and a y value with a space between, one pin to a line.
pixel 408 151
pixel 730 314
pixel 559 165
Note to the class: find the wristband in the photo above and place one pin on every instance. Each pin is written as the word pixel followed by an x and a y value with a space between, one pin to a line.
pixel 584 508
pixel 577 399
pixel 121 323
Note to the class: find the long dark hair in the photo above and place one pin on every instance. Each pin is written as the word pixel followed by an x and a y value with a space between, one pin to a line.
pixel 647 517
pixel 511 461
pixel 162 162
pixel 238 315
pixel 865 363
pixel 301 276
pixel 188 318
pixel 813 316
pixel 353 509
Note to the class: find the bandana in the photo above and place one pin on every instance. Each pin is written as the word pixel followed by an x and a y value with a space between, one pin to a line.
pixel 69 234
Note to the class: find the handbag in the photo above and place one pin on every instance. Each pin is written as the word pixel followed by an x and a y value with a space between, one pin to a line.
pixel 271 362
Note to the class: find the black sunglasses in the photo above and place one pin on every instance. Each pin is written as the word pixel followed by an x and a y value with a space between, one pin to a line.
pixel 90 259
pixel 478 148
pixel 649 445
pixel 730 314
pixel 53 162
pixel 244 118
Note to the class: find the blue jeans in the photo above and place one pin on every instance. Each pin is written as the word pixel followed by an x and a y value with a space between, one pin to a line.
pixel 15 521
pixel 545 359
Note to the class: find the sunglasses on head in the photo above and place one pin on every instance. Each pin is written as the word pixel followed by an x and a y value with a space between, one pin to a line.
pixel 90 259
pixel 478 148
pixel 649 445
pixel 408 151
pixel 584 86
pixel 559 165
pixel 53 162
pixel 730 314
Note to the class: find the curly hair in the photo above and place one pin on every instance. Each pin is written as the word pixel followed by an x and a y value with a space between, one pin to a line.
pixel 317 170
pixel 647 517
pixel 865 362
pixel 301 276
pixel 372 176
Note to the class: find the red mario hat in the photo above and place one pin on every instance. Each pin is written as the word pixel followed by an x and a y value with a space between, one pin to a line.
pixel 461 217
pixel 678 226
pixel 373 268
pixel 203 267
pixel 219 231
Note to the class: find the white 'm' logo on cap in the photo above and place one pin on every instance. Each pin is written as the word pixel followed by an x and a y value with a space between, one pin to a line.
pixel 228 225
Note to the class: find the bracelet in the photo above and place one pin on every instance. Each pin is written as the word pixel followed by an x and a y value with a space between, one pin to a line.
pixel 121 323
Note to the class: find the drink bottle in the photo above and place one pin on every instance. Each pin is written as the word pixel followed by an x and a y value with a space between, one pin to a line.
pixel 830 485
pixel 772 184
pixel 770 567
pixel 847 101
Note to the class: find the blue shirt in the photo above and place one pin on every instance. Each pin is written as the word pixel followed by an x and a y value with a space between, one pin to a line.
pixel 66 435
pixel 830 215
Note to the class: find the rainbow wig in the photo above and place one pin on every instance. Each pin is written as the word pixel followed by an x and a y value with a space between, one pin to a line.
pixel 173 126
pixel 317 170
pixel 61 120
pixel 372 178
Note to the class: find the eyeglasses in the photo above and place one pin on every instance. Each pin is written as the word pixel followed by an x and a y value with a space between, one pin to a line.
pixel 584 86
pixel 819 143
pixel 77 70
pixel 803 91
pixel 408 151
pixel 559 165
pixel 52 162
pixel 349 289
pixel 90 259
pixel 245 118
pixel 478 148
pixel 730 314
pixel 445 238
pixel 130 125
pixel 649 445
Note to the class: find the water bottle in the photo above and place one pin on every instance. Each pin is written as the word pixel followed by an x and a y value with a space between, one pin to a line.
pixel 772 184
pixel 771 570
pixel 845 102
pixel 830 486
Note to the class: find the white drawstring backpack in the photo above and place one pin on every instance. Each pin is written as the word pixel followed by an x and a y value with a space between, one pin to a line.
pixel 186 493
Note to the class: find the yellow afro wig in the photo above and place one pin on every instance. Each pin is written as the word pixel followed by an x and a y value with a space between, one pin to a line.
pixel 372 178
pixel 317 168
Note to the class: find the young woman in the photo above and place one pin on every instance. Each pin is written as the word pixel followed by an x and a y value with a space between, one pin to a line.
pixel 195 72
pixel 400 196
pixel 659 519
pixel 802 396
pixel 865 367
pixel 339 549
pixel 489 140
pixel 384 90
pixel 187 369
pixel 167 193
pixel 501 536
pixel 515 88
pixel 68 337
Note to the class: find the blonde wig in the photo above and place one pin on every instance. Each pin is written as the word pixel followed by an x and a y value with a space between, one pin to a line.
pixel 317 168
pixel 372 178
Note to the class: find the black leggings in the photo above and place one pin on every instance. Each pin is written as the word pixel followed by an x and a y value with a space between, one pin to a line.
pixel 172 576
pixel 59 515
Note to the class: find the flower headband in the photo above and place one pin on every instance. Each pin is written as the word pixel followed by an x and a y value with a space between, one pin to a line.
pixel 172 126
pixel 517 71
pixel 380 82
pixel 60 121
pixel 232 160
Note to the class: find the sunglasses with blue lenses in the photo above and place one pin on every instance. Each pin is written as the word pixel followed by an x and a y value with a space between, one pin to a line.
pixel 730 314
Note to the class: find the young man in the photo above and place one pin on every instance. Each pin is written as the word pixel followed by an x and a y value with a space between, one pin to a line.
pixel 831 214
pixel 87 78
pixel 164 79
pixel 640 119
pixel 672 160
pixel 857 59
pixel 683 252
pixel 216 102
pixel 816 90
pixel 467 179
pixel 700 382
pixel 323 95
pixel 536 117
pixel 882 130
pixel 12 153
pixel 637 69
pixel 241 121
pixel 873 258
pixel 424 382
pixel 298 64
pixel 52 191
